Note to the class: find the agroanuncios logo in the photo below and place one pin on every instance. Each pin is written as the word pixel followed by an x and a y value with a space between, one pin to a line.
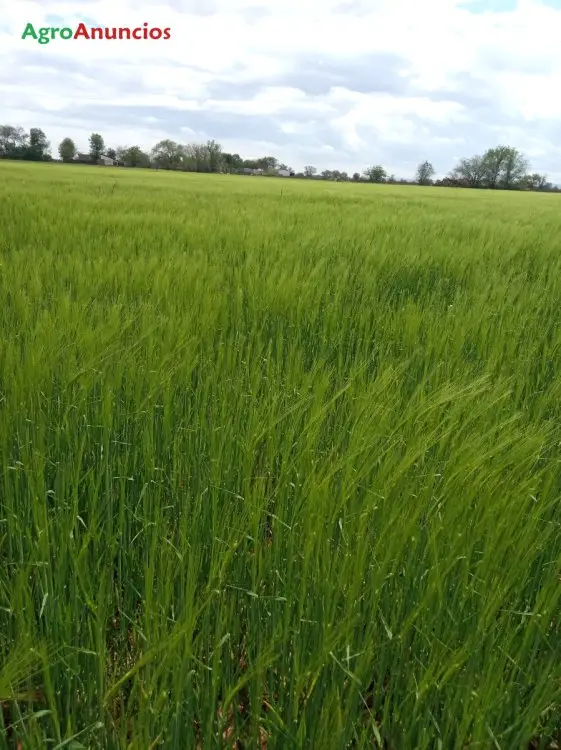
pixel 46 34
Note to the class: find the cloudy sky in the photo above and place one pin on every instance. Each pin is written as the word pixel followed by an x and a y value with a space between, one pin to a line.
pixel 334 83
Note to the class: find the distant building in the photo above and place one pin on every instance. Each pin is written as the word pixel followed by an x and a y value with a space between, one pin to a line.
pixel 283 173
pixel 106 161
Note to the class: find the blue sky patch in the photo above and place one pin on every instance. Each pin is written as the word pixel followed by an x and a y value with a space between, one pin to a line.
pixel 54 20
pixel 500 6
pixel 490 6
pixel 92 22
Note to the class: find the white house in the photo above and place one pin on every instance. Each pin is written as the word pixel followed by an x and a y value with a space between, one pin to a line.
pixel 283 173
pixel 106 161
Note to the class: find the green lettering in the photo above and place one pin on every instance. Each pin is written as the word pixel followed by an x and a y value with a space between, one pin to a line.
pixel 44 34
pixel 29 31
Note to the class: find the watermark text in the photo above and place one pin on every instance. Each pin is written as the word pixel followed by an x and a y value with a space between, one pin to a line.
pixel 46 34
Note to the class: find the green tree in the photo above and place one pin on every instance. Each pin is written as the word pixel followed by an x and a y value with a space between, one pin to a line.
pixel 214 156
pixel 268 163
pixel 500 167
pixel 67 149
pixel 197 157
pixel 168 154
pixel 38 146
pixel 309 171
pixel 514 169
pixel 493 163
pixel 96 146
pixel 376 173
pixel 536 181
pixel 133 156
pixel 232 161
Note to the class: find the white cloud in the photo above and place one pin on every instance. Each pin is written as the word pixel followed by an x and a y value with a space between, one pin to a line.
pixel 465 80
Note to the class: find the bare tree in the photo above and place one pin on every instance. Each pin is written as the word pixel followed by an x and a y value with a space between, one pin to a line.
pixel 470 172
pixel 309 171
pixel 13 141
pixel 425 173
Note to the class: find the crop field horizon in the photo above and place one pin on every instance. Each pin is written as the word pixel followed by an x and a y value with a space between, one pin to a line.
pixel 280 464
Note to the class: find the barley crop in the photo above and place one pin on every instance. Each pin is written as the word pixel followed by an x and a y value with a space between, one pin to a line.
pixel 280 464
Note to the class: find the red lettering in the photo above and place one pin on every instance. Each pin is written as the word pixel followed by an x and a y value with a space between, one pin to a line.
pixel 167 33
pixel 81 31
pixel 158 32
pixel 136 32
pixel 97 33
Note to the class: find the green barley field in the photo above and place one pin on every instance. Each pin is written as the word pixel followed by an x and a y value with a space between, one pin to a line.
pixel 281 464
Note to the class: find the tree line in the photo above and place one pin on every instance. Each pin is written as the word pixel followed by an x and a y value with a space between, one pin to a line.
pixel 501 167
